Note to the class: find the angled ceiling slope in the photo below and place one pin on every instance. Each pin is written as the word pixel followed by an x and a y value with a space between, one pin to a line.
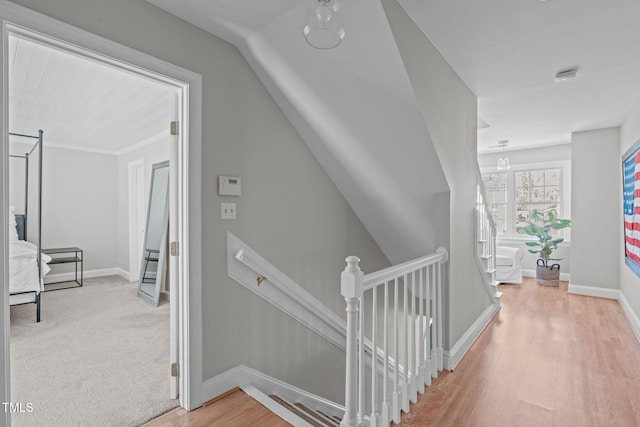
pixel 353 106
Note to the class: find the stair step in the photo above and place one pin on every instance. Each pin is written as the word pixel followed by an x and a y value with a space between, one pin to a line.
pixel 486 256
pixel 322 418
pixel 337 419
pixel 494 283
pixel 490 271
pixel 281 411
pixel 498 294
pixel 299 412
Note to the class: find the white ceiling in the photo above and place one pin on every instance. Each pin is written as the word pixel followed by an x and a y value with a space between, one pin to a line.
pixel 506 51
pixel 83 104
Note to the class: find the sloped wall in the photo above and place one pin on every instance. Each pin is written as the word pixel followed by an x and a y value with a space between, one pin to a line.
pixel 290 211
pixel 450 112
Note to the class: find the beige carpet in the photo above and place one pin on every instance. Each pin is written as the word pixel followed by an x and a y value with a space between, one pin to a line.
pixel 99 357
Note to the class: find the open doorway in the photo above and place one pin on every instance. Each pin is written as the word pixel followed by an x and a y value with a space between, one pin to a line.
pixel 179 179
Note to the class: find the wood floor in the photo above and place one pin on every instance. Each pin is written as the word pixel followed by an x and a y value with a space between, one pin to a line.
pixel 235 409
pixel 547 359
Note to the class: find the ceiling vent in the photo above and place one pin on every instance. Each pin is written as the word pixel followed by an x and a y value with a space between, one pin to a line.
pixel 566 74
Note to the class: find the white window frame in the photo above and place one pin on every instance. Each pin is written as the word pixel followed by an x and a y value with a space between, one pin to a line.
pixel 564 208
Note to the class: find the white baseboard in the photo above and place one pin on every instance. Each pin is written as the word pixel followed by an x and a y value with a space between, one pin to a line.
pixel 453 356
pixel 532 273
pixel 88 274
pixel 634 320
pixel 243 376
pixel 592 291
pixel 614 294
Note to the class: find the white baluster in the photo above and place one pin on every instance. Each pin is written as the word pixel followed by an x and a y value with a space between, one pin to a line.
pixel 439 312
pixel 421 337
pixel 385 419
pixel 361 362
pixel 433 327
pixel 407 370
pixel 351 283
pixel 413 363
pixel 396 390
pixel 427 325
pixel 374 359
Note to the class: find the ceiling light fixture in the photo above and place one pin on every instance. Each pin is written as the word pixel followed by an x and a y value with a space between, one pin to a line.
pixel 323 29
pixel 566 74
pixel 503 162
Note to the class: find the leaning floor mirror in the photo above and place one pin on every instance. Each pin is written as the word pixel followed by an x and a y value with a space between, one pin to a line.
pixel 152 268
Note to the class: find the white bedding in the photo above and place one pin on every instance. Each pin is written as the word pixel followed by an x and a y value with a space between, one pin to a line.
pixel 23 267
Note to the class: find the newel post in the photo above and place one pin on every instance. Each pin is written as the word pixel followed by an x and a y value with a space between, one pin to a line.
pixel 351 284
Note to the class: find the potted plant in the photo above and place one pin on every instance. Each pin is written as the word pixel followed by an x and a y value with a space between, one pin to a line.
pixel 542 221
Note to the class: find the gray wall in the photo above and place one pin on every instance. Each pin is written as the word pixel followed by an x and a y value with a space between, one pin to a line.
pixel 629 282
pixel 534 155
pixel 595 207
pixel 79 199
pixel 450 112
pixel 290 211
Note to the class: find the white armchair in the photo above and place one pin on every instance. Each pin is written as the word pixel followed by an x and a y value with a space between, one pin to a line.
pixel 508 264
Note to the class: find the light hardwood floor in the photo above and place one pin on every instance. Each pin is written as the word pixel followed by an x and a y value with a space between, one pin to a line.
pixel 235 409
pixel 547 359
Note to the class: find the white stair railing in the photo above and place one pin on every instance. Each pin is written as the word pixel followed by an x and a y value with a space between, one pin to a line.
pixel 486 241
pixel 411 323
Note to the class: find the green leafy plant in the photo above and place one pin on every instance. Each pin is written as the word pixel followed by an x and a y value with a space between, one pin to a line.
pixel 542 221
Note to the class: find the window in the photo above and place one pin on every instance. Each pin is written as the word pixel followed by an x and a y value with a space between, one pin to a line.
pixel 512 195
pixel 495 187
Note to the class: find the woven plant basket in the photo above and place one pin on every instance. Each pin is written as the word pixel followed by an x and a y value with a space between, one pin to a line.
pixel 548 276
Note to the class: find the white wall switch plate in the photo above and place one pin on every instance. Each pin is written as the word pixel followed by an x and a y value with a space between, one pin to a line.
pixel 228 210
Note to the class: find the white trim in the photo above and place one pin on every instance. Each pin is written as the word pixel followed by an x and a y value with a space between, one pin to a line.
pixel 148 141
pixel 282 292
pixel 515 240
pixel 88 274
pixel 275 407
pixel 242 376
pixel 19 20
pixel 453 356
pixel 134 206
pixel 593 291
pixel 633 318
pixel 532 273
pixel 5 376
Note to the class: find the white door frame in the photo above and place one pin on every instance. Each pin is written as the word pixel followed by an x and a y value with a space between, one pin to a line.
pixel 27 23
pixel 136 210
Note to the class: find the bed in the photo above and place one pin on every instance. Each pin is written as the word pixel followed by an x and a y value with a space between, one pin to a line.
pixel 27 264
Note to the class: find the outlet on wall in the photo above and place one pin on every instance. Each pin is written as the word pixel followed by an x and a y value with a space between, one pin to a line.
pixel 228 210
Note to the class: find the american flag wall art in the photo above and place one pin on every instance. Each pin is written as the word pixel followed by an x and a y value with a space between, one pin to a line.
pixel 631 202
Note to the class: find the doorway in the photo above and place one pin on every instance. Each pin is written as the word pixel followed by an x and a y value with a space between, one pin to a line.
pixel 184 313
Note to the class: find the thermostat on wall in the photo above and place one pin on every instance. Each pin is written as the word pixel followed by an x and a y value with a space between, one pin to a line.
pixel 229 186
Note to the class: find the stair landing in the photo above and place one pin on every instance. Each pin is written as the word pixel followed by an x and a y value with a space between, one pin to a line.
pixel 234 409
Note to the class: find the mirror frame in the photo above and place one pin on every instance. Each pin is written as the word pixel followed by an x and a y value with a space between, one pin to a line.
pixel 154 299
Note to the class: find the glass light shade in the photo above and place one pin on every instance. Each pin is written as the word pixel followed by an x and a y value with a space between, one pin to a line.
pixel 503 164
pixel 324 24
